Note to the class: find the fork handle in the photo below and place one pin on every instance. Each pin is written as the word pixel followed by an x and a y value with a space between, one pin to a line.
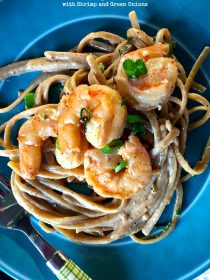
pixel 65 269
pixel 59 264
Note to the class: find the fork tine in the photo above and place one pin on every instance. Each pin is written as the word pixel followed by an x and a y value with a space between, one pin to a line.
pixel 5 186
pixel 5 182
pixel 2 193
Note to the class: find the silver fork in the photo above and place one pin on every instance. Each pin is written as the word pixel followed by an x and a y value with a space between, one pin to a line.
pixel 13 216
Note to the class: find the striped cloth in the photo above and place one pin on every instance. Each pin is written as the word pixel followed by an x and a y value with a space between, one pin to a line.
pixel 70 271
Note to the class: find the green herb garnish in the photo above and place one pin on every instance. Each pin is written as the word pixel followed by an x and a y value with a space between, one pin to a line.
pixel 101 67
pixel 134 69
pixel 130 68
pixel 84 115
pixel 112 146
pixel 171 48
pixel 43 116
pixel 120 166
pixel 141 67
pixel 29 100
pixel 137 128
pixel 57 144
pixel 178 212
pixel 135 124
pixel 133 118
pixel 123 103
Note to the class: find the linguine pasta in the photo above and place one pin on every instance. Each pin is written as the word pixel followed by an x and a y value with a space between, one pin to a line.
pixel 95 218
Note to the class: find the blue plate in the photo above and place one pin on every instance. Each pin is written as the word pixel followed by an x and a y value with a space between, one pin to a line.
pixel 30 27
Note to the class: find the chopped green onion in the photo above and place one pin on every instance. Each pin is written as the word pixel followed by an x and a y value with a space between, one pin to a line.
pixel 137 128
pixel 141 67
pixel 101 67
pixel 43 116
pixel 134 69
pixel 133 118
pixel 57 144
pixel 171 48
pixel 112 146
pixel 29 100
pixel 120 166
pixel 84 115
pixel 178 212
pixel 130 68
pixel 136 125
pixel 123 103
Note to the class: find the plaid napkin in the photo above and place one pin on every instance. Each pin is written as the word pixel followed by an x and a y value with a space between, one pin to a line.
pixel 70 271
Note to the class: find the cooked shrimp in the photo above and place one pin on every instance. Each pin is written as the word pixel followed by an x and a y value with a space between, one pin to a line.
pixel 106 118
pixel 153 89
pixel 100 170
pixel 31 137
pixel 72 142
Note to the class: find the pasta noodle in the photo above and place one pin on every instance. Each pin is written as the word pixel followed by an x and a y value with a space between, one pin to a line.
pixel 93 218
